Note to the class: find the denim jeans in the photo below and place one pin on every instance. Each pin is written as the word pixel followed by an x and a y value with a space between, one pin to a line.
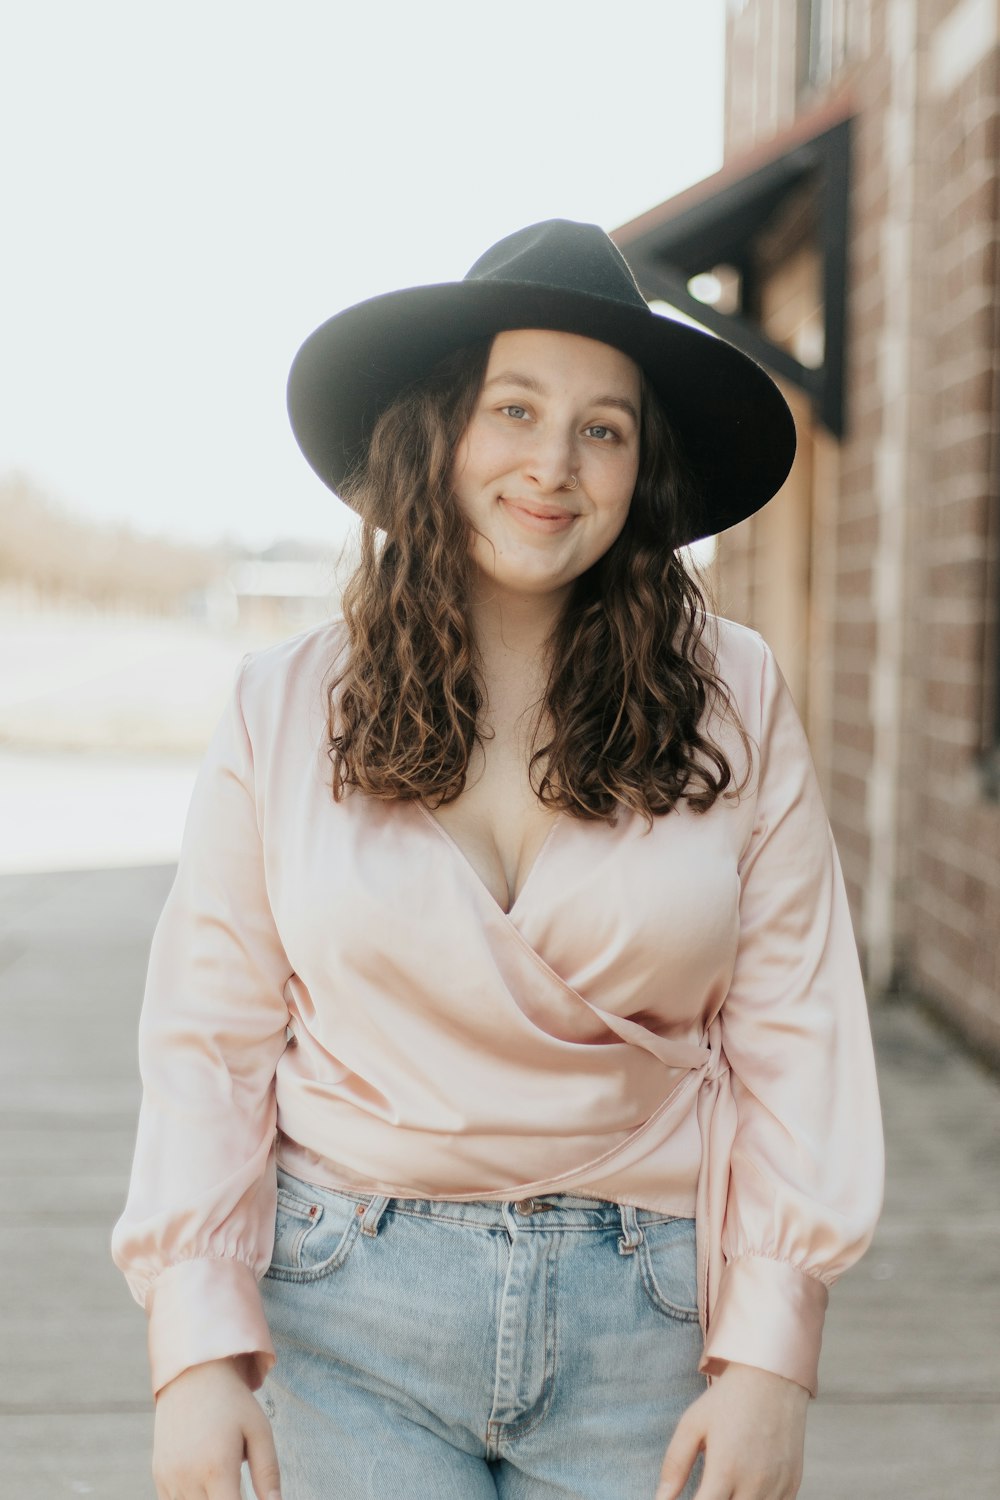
pixel 537 1350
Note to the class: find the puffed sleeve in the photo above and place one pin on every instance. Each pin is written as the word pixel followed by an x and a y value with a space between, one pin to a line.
pixel 806 1171
pixel 197 1230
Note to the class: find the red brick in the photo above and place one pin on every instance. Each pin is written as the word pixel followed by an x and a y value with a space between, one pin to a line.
pixel 854 634
pixel 962 579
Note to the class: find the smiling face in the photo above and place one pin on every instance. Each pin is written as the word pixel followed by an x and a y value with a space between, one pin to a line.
pixel 553 406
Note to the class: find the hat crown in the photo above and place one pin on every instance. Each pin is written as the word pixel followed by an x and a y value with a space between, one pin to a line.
pixel 564 255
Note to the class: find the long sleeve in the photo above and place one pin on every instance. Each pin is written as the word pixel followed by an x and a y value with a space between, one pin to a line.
pixel 806 1171
pixel 197 1230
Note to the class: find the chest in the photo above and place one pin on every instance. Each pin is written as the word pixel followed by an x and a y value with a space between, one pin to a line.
pixel 441 905
pixel 498 823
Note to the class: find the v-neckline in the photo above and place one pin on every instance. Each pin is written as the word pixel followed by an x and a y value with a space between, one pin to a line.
pixel 474 873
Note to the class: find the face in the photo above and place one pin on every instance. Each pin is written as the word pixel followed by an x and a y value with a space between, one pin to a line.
pixel 553 406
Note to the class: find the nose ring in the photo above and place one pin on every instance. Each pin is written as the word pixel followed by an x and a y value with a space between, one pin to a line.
pixel 572 486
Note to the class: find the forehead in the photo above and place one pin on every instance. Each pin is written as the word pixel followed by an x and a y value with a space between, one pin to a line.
pixel 553 358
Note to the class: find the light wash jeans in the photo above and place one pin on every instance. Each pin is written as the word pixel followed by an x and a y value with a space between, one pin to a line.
pixel 538 1350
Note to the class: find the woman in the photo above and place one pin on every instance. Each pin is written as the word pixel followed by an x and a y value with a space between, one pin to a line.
pixel 504 1020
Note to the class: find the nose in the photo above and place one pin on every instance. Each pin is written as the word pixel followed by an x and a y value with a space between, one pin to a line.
pixel 550 460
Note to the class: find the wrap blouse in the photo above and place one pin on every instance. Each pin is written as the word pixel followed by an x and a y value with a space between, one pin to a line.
pixel 670 1017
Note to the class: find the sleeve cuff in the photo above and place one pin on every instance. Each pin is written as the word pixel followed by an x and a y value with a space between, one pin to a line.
pixel 767 1314
pixel 206 1309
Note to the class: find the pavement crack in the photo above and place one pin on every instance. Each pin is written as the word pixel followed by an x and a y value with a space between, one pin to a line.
pixel 74 1408
pixel 11 949
pixel 911 1398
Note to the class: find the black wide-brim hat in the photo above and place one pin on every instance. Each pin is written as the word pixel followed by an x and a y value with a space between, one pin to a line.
pixel 733 425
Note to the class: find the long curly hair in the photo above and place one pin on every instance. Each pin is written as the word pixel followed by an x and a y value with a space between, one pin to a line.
pixel 629 677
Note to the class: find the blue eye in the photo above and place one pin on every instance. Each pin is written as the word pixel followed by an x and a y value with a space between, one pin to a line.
pixel 520 409
pixel 603 433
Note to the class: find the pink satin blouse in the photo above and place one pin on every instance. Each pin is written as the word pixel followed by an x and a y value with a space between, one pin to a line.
pixel 673 1018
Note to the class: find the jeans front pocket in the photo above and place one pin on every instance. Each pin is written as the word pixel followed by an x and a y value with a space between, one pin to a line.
pixel 668 1261
pixel 314 1230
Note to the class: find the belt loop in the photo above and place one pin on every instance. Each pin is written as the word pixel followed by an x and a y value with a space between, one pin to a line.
pixel 631 1236
pixel 371 1214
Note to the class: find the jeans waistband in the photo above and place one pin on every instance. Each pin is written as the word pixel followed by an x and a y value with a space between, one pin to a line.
pixel 545 1212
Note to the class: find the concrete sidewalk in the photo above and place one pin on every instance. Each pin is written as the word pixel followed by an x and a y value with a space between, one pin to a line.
pixel 910 1405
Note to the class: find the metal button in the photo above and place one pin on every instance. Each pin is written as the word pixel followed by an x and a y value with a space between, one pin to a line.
pixel 525 1205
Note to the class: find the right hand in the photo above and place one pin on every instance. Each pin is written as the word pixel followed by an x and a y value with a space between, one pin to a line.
pixel 207 1422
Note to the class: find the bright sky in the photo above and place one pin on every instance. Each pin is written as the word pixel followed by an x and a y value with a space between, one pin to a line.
pixel 189 189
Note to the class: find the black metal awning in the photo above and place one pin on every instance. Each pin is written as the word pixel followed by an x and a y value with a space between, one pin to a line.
pixel 730 219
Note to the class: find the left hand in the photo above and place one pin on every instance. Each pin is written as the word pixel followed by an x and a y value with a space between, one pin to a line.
pixel 751 1426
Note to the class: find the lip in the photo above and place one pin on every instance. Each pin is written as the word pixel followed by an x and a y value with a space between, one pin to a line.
pixel 545 518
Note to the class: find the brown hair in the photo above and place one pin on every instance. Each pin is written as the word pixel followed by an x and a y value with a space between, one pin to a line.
pixel 629 680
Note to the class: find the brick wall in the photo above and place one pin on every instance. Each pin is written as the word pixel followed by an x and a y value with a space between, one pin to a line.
pixel 908 574
pixel 955 952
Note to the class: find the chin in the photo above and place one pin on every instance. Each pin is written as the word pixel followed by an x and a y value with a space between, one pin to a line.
pixel 532 587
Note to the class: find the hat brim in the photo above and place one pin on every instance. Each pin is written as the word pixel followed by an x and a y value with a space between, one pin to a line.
pixel 733 424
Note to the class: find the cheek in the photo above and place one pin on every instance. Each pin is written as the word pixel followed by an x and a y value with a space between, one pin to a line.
pixel 620 494
pixel 615 526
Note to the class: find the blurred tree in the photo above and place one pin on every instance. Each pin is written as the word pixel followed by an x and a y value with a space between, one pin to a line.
pixel 49 556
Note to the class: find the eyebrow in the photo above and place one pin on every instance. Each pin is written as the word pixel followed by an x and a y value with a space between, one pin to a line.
pixel 529 383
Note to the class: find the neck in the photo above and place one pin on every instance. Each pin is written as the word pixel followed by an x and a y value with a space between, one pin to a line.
pixel 512 631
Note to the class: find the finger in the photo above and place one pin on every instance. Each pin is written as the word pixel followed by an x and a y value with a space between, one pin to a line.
pixel 263 1461
pixel 165 1490
pixel 684 1448
pixel 225 1487
pixel 177 1490
pixel 712 1488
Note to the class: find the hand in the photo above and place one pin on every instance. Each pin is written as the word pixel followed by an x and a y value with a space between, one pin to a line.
pixel 207 1421
pixel 751 1426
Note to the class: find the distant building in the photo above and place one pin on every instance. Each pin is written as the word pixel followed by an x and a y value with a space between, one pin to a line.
pixel 280 591
pixel 274 594
pixel 850 244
